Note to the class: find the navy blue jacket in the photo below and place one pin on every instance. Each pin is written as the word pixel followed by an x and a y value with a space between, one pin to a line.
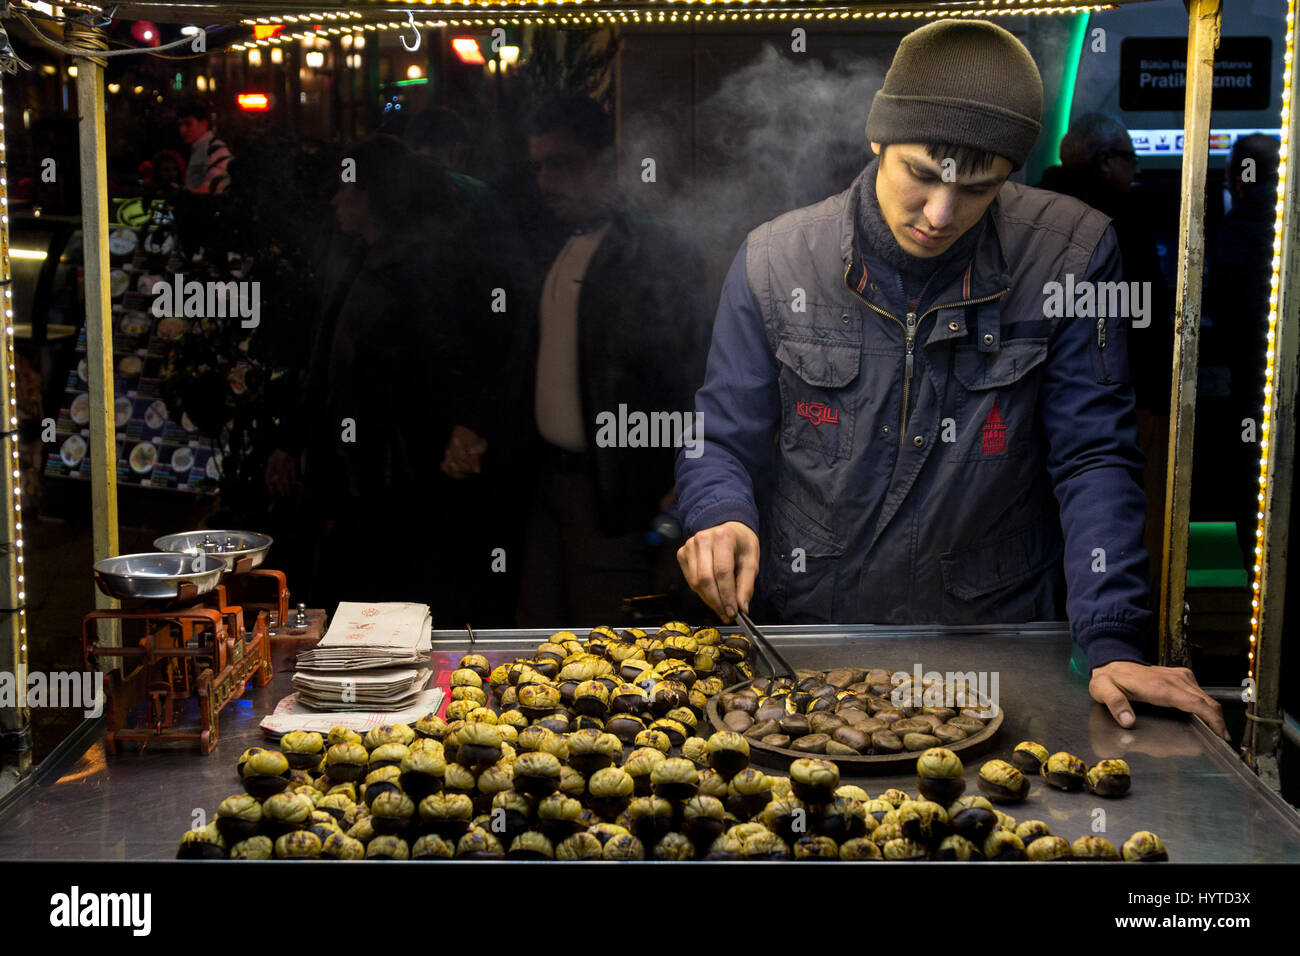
pixel 952 486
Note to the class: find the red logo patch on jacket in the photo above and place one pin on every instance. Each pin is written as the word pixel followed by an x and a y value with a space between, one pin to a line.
pixel 817 413
pixel 993 433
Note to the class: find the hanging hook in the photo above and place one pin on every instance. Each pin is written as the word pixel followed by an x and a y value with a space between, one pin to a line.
pixel 410 22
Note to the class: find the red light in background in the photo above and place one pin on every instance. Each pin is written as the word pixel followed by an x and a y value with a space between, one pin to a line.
pixel 467 49
pixel 266 32
pixel 145 32
pixel 253 102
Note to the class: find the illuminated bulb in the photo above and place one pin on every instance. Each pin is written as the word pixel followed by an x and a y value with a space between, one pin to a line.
pixel 413 72
pixel 277 55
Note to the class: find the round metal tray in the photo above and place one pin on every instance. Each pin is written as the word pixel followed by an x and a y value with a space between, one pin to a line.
pixel 859 765
pixel 234 546
pixel 160 575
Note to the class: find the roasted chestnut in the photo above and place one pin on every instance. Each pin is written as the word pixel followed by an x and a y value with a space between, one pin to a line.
pixel 579 846
pixel 902 849
pixel 204 843
pixel 939 775
pixel 1065 771
pixel 1144 847
pixel 811 743
pixel 814 781
pixel 702 820
pixel 696 750
pixel 1093 848
pixel 1109 778
pixel 653 738
pixel 609 791
pixel 1003 783
pixel 748 792
pixel 285 812
pixel 626 727
pixel 956 847
pixel 845 818
pixel 675 779
pixel 950 733
pixel 809 847
pixel 298 845
pixel 1031 830
pixel 1029 756
pixel 267 772
pixel 388 755
pixel 591 750
pixel 303 749
pixel 886 742
pixel 1003 845
pixel 476 844
pixel 537 774
pixel 391 812
pixel 651 818
pixel 728 753
pixel 860 849
pixel 972 817
pixel 1048 849
pixel 428 847
pixel 261 848
pixel 623 846
pixel 238 818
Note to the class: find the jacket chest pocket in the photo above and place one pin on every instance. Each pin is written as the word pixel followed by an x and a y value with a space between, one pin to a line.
pixel 997 399
pixel 817 400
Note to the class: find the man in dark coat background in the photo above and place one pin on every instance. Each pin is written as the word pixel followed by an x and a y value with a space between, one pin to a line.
pixel 615 315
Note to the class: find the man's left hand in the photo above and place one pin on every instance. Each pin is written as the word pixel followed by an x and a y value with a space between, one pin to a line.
pixel 1118 682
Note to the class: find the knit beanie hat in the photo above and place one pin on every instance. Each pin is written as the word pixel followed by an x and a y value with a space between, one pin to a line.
pixel 961 82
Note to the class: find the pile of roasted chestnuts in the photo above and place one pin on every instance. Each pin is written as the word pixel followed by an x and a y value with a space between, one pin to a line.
pixel 854 712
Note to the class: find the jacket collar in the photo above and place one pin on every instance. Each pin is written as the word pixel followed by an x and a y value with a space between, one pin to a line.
pixel 987 274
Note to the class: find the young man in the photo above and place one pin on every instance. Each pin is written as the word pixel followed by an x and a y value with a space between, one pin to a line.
pixel 895 400
pixel 209 156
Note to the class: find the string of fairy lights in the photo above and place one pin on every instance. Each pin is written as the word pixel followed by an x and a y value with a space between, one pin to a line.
pixel 1288 75
pixel 14 540
pixel 302 26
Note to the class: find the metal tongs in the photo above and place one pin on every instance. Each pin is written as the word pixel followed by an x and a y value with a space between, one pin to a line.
pixel 764 646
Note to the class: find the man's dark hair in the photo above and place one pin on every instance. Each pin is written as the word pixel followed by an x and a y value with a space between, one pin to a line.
pixel 1264 150
pixel 435 128
pixel 195 108
pixel 581 117
pixel 385 173
pixel 968 160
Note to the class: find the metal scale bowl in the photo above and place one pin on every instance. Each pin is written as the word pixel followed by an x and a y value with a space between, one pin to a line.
pixel 160 575
pixel 244 550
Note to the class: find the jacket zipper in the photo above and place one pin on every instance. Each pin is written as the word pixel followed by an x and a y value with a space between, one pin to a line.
pixel 909 331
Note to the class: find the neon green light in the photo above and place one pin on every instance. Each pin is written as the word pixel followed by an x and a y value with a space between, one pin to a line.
pixel 1065 95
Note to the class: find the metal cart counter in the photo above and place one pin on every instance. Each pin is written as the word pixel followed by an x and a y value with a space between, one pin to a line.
pixel 1188 785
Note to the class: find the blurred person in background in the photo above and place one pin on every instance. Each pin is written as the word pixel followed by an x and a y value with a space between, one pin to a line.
pixel 210 157
pixel 619 319
pixel 166 170
pixel 382 374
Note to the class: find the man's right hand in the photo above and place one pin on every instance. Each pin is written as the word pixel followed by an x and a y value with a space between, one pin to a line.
pixel 720 564
pixel 464 454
